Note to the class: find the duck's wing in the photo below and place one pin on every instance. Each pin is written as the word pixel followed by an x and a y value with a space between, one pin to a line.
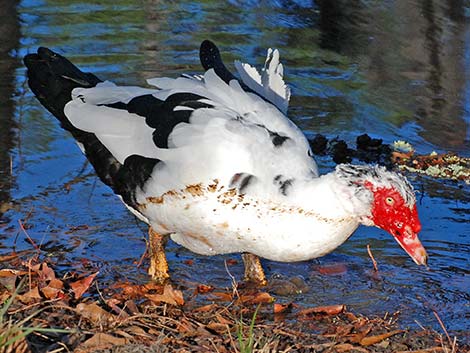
pixel 200 128
pixel 269 84
pixel 187 130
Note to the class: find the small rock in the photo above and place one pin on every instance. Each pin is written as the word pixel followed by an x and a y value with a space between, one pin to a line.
pixel 318 144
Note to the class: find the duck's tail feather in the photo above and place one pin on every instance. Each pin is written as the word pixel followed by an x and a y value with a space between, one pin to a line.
pixel 52 78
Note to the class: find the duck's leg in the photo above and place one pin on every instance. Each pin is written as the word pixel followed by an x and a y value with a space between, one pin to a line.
pixel 253 270
pixel 158 269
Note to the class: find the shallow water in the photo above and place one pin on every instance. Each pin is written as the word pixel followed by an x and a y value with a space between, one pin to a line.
pixel 396 70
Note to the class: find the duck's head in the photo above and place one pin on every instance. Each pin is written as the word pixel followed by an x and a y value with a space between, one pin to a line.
pixel 387 201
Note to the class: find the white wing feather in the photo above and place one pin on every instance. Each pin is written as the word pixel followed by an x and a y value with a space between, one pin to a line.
pixel 123 134
pixel 270 84
pixel 108 93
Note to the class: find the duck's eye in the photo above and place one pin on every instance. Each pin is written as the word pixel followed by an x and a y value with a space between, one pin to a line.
pixel 390 201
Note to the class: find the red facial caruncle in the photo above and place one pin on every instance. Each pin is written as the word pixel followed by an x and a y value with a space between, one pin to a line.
pixel 391 213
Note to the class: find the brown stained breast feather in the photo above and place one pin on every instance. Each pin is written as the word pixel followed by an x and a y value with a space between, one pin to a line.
pixel 232 196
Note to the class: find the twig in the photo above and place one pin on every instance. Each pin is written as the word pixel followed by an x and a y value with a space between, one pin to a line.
pixel 99 292
pixel 27 307
pixel 144 255
pixel 31 241
pixel 215 347
pixel 372 258
pixel 451 343
pixel 61 349
pixel 454 345
pixel 420 325
pixel 28 216
pixel 232 343
pixel 233 280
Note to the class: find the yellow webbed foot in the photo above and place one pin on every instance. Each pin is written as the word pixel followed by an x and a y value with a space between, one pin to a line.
pixel 158 269
pixel 253 270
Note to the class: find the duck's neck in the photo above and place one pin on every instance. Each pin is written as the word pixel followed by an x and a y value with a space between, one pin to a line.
pixel 335 196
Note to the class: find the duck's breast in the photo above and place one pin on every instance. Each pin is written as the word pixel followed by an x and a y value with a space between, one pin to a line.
pixel 210 219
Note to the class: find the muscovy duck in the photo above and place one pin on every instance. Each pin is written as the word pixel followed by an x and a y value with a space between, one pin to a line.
pixel 212 161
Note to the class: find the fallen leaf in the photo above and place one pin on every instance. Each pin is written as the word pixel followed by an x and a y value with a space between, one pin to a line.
pixel 95 313
pixel 131 291
pixel 328 310
pixel 217 327
pixel 185 326
pixel 132 307
pixel 401 156
pixel 53 288
pixel 4 295
pixel 370 340
pixel 9 282
pixel 123 334
pixel 258 298
pixel 357 337
pixel 8 257
pixel 102 341
pixel 81 286
pixel 7 272
pixel 283 287
pixel 45 272
pixel 223 320
pixel 360 322
pixel 52 293
pixel 205 308
pixel 136 291
pixel 30 296
pixel 330 270
pixel 202 288
pixel 347 347
pixel 113 304
pixel 152 286
pixel 222 296
pixel 427 350
pixel 344 329
pixel 280 308
pixel 231 262
pixel 137 331
pixel 351 316
pixel 202 331
pixel 170 296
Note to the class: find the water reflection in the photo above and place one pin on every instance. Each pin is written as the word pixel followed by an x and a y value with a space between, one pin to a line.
pixel 413 57
pixel 9 41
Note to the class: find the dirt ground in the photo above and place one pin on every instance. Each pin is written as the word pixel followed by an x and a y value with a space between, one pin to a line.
pixel 47 311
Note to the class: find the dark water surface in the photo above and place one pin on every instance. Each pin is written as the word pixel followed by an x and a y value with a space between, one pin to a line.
pixel 394 69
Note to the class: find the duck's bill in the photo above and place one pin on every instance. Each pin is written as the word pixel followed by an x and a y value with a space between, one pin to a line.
pixel 410 242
